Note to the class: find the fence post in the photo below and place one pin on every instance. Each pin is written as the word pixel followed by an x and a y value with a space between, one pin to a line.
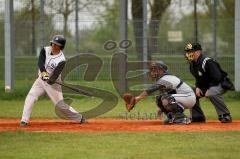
pixel 145 39
pixel 237 45
pixel 214 27
pixel 9 46
pixel 195 22
pixel 123 36
pixel 76 27
pixel 42 23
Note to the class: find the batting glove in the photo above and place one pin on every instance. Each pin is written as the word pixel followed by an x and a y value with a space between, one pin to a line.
pixel 45 76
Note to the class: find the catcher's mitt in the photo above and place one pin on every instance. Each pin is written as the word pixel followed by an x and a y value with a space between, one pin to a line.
pixel 130 101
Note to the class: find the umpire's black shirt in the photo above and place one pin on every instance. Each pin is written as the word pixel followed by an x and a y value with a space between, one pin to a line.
pixel 207 75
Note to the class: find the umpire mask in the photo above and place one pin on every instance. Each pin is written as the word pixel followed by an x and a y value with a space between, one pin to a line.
pixel 190 48
pixel 189 56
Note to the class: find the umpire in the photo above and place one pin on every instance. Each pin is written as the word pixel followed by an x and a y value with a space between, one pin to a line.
pixel 209 76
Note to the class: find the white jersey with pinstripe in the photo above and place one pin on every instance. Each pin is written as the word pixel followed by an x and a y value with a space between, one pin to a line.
pixel 52 61
pixel 41 87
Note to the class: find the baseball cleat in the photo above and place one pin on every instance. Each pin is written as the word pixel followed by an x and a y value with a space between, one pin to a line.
pixel 225 118
pixel 83 120
pixel 186 121
pixel 22 124
pixel 177 121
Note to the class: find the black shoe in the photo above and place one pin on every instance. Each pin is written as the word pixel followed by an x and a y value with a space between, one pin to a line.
pixel 22 124
pixel 177 118
pixel 225 118
pixel 169 119
pixel 83 120
pixel 182 121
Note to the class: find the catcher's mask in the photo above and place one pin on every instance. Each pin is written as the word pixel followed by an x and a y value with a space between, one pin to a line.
pixel 59 40
pixel 157 69
pixel 190 48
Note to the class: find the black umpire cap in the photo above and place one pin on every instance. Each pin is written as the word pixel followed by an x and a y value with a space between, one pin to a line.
pixel 192 47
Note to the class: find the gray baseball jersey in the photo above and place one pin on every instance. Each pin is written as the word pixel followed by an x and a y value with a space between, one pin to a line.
pixel 183 93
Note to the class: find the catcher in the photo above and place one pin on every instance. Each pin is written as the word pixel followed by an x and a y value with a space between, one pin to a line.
pixel 174 95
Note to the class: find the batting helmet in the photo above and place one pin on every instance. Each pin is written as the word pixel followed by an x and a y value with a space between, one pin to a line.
pixel 59 40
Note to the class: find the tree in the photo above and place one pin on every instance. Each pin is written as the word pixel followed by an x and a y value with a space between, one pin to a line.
pixel 137 14
pixel 65 8
pixel 108 23
pixel 24 18
pixel 224 26
pixel 157 9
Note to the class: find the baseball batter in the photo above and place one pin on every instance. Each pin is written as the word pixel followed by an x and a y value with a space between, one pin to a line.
pixel 49 59
pixel 174 95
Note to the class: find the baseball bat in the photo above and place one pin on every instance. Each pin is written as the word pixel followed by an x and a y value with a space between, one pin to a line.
pixel 78 90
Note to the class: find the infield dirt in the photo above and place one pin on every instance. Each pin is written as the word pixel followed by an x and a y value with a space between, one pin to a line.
pixel 114 125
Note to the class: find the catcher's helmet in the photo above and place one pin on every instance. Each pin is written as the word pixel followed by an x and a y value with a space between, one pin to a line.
pixel 59 40
pixel 156 66
pixel 159 65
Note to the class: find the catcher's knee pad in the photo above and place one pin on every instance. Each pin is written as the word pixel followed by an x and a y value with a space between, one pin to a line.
pixel 170 104
pixel 159 104
pixel 158 101
pixel 174 107
pixel 167 99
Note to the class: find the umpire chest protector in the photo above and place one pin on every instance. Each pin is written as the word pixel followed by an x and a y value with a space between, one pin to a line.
pixel 207 72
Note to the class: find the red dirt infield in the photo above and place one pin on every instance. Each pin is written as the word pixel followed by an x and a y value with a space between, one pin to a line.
pixel 114 125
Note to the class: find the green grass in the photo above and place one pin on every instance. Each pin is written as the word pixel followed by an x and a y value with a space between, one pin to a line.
pixel 11 104
pixel 181 145
pixel 214 145
pixel 45 109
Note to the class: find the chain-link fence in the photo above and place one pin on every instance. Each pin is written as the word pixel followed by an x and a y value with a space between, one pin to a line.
pixel 88 33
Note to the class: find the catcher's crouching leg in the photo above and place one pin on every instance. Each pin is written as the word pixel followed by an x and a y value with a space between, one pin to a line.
pixel 65 111
pixel 174 110
pixel 160 106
